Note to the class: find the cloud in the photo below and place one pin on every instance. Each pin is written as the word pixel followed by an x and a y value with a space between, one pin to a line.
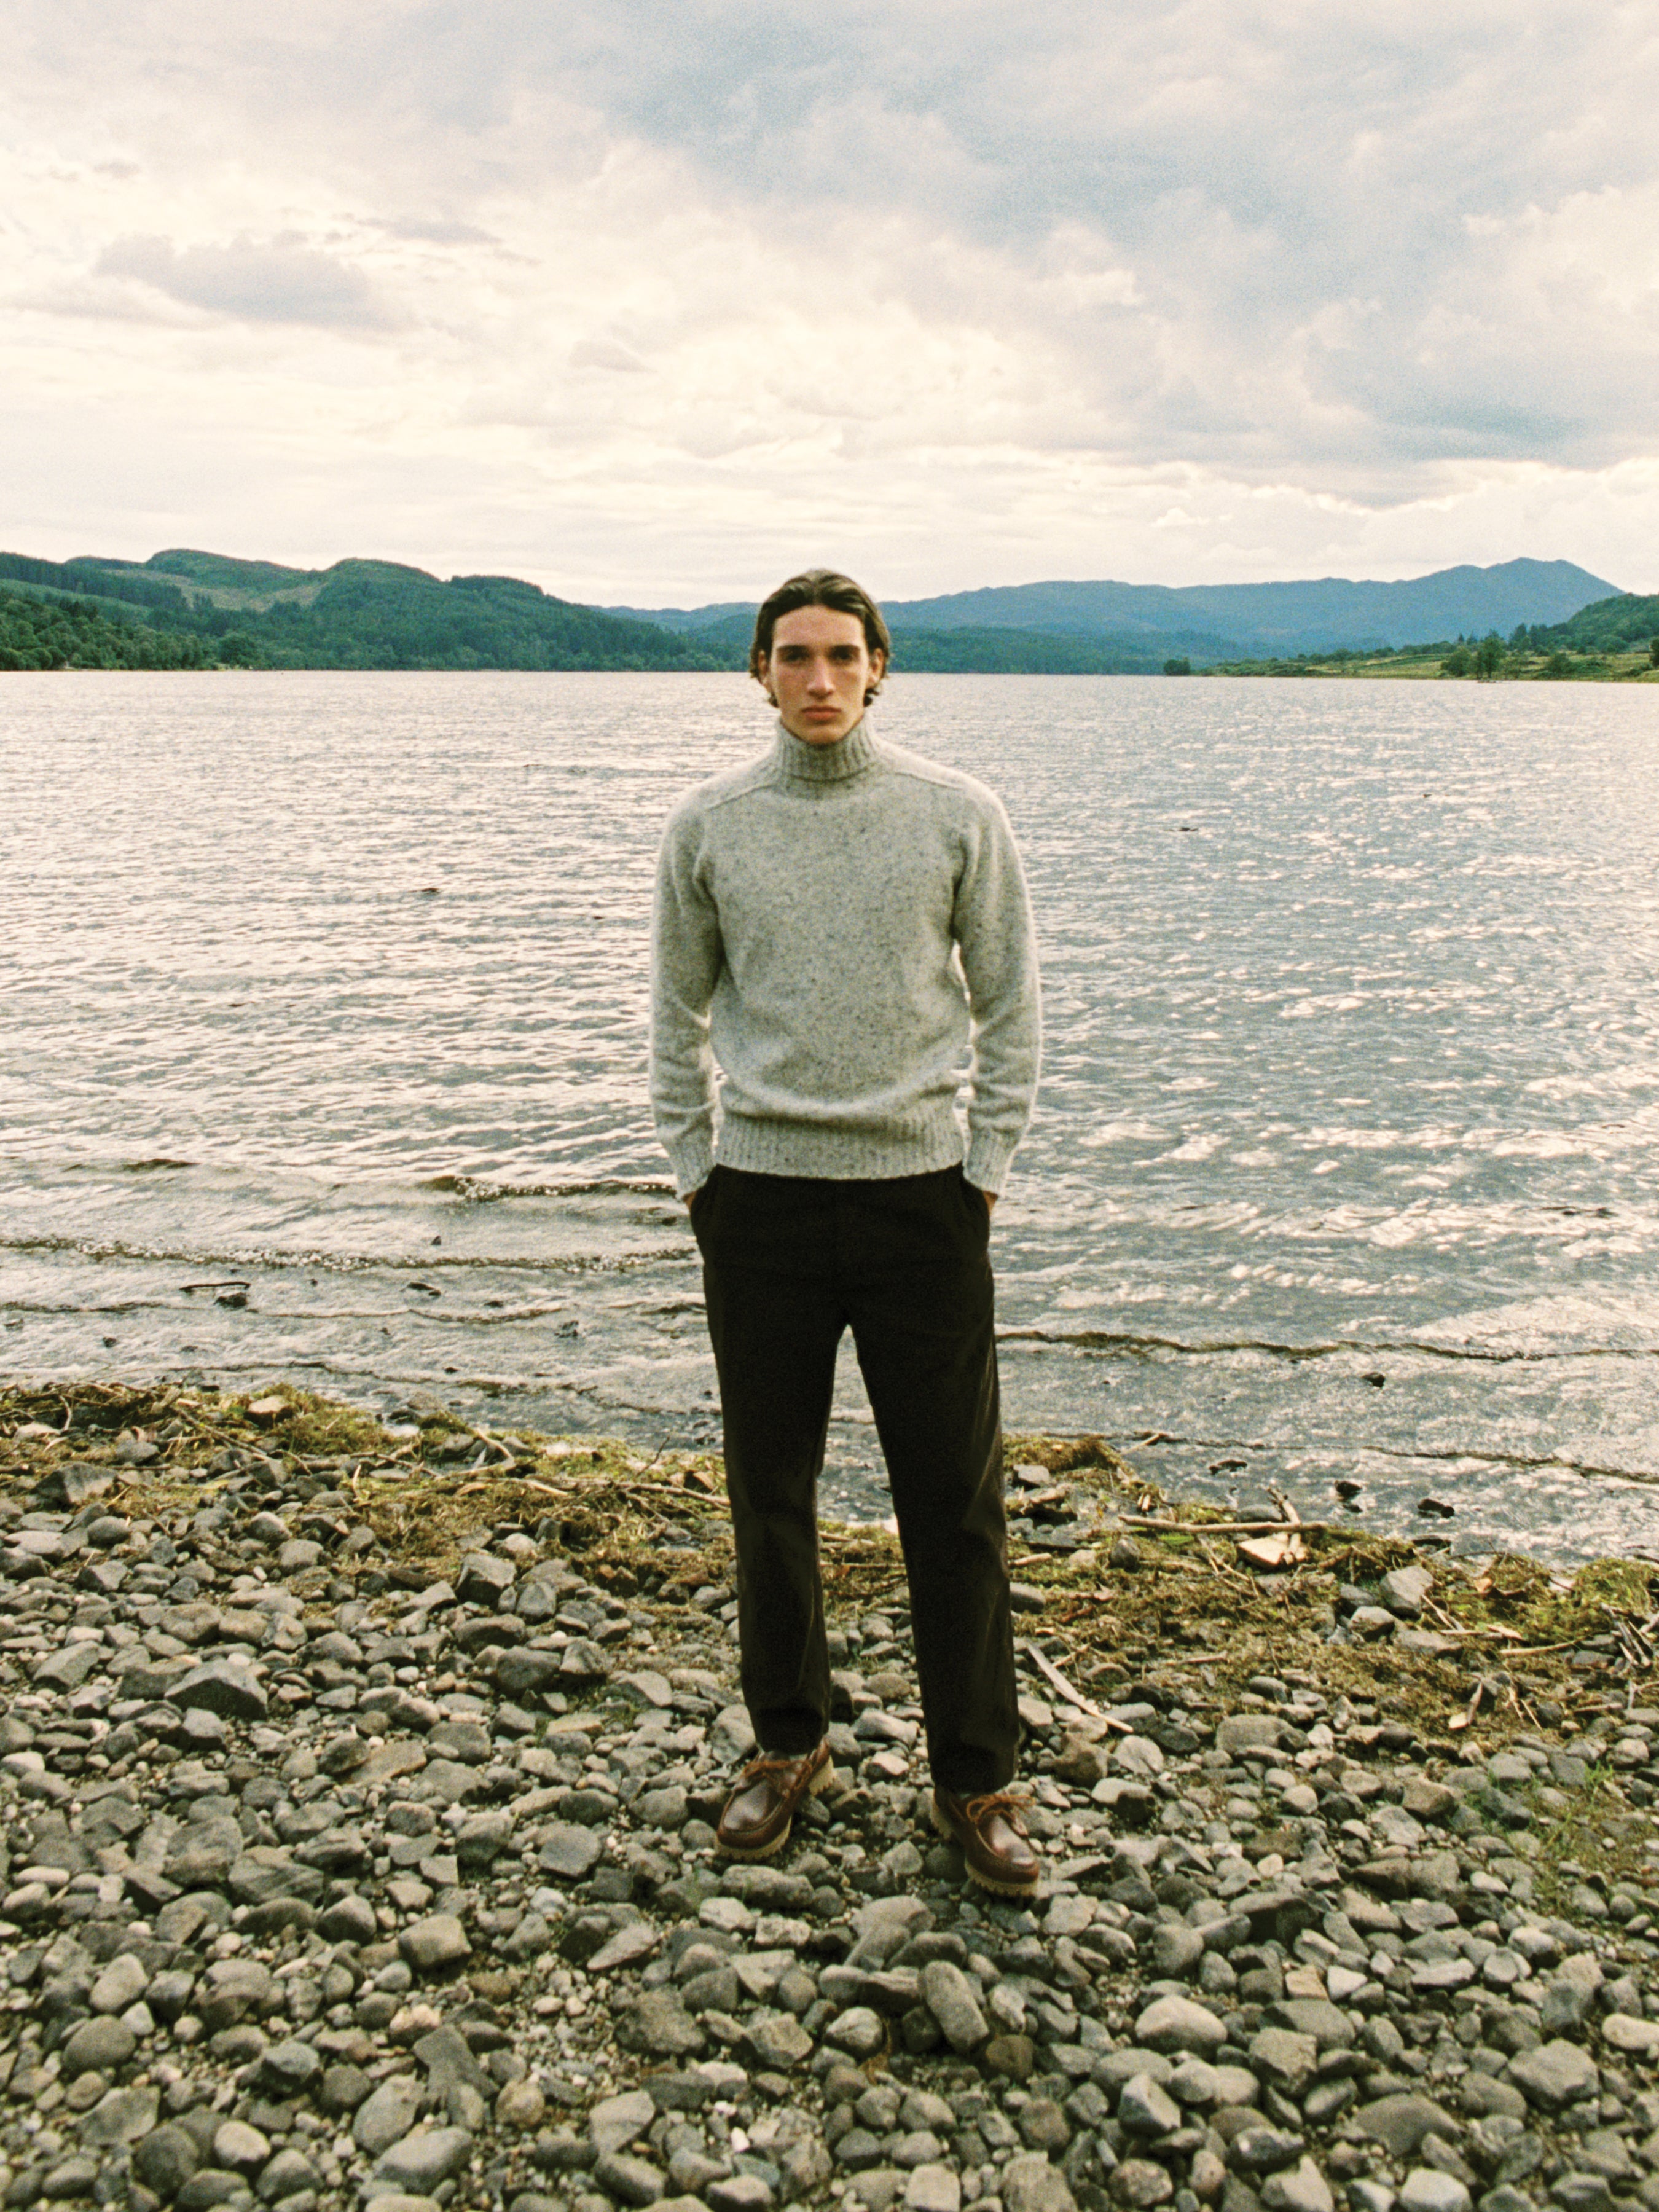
pixel 603 353
pixel 1327 285
pixel 278 281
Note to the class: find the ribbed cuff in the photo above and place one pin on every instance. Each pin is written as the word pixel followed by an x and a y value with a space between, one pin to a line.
pixel 989 1158
pixel 693 1162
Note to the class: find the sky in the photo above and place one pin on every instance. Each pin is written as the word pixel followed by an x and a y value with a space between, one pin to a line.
pixel 654 301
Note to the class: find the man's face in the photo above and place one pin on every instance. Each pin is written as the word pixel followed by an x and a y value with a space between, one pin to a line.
pixel 818 671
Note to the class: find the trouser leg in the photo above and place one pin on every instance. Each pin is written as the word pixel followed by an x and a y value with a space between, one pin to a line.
pixel 774 1320
pixel 922 1309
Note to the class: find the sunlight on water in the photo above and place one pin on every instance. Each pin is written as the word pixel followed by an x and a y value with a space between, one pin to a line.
pixel 1344 1156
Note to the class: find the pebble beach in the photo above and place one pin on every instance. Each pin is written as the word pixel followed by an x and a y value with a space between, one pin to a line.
pixel 358 1783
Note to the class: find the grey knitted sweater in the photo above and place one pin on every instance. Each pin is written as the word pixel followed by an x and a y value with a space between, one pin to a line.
pixel 841 939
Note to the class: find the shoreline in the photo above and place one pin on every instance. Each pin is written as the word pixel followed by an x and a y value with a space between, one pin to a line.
pixel 357 1793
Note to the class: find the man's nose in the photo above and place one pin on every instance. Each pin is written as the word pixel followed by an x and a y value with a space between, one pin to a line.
pixel 820 678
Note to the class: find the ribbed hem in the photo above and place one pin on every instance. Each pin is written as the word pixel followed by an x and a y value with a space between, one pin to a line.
pixel 801 762
pixel 798 1148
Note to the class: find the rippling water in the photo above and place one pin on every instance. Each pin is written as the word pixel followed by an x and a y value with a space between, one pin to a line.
pixel 1344 1158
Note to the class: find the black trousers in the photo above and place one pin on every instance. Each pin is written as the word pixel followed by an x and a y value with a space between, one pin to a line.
pixel 789 1263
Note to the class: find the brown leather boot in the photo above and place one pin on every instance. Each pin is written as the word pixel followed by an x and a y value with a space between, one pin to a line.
pixel 994 1845
pixel 761 1811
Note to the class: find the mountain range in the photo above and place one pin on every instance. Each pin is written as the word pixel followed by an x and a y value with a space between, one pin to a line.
pixel 183 608
pixel 1144 622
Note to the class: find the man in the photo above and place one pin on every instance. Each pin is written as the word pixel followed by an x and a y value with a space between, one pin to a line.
pixel 842 931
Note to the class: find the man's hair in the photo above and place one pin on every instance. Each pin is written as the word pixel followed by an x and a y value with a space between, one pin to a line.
pixel 820 587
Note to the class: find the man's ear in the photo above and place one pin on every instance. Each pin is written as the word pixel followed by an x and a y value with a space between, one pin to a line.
pixel 762 675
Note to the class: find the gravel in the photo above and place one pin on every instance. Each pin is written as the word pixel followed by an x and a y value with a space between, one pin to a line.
pixel 328 1890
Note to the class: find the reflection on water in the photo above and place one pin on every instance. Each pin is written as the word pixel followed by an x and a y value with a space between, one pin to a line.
pixel 1344 1162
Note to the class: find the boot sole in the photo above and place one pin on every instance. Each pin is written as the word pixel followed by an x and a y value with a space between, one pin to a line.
pixel 823 1780
pixel 983 1880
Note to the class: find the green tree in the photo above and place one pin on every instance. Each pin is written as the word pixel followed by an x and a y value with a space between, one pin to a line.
pixel 1558 664
pixel 1182 666
pixel 1456 662
pixel 1488 656
pixel 1653 652
pixel 238 650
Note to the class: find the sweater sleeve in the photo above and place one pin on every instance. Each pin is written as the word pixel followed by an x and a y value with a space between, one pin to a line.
pixel 998 941
pixel 685 965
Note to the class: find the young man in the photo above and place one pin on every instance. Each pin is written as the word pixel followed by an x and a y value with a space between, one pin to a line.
pixel 842 931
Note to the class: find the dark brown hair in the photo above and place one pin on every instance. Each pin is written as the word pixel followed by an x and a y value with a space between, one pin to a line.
pixel 821 587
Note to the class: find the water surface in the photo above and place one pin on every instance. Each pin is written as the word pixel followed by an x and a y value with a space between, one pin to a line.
pixel 1344 1165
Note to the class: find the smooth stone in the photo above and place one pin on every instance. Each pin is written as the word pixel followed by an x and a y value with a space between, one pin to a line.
pixel 124 2116
pixel 1426 2189
pixel 1624 2031
pixel 422 2161
pixel 387 2114
pixel 434 1943
pixel 948 1994
pixel 1554 2073
pixel 1029 2184
pixel 1300 2188
pixel 1400 2123
pixel 933 2187
pixel 98 2045
pixel 1180 2024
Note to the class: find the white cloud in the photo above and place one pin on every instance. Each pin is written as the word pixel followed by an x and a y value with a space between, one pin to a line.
pixel 261 280
pixel 644 301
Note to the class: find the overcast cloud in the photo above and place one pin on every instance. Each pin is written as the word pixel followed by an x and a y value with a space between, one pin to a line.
pixel 650 303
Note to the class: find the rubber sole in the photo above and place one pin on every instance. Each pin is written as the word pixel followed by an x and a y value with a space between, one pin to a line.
pixel 823 1780
pixel 984 1881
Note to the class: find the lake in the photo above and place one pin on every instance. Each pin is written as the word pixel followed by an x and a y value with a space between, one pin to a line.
pixel 1343 1164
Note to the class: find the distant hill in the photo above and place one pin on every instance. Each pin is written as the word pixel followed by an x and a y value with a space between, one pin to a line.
pixel 383 614
pixel 1608 626
pixel 358 614
pixel 1140 624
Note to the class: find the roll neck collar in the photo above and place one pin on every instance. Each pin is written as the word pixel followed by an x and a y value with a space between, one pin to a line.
pixel 837 763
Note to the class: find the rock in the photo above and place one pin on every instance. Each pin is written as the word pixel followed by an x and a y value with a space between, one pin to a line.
pixel 121 1983
pixel 241 2148
pixel 1553 2074
pixel 387 2114
pixel 520 2105
pixel 932 2188
pixel 435 1943
pixel 1259 2148
pixel 123 2117
pixel 165 2160
pixel 98 2046
pixel 1300 2188
pixel 222 1686
pixel 290 2068
pixel 1624 2031
pixel 1012 2058
pixel 1180 2024
pixel 1029 2184
pixel 570 1852
pixel 1400 2122
pixel 630 2180
pixel 1427 2190
pixel 1144 2108
pixel 948 1995
pixel 423 2160
pixel 859 2031
pixel 1282 2057
pixel 1241 1732
pixel 776 2041
pixel 448 2058
pixel 660 2025
pixel 1139 2182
